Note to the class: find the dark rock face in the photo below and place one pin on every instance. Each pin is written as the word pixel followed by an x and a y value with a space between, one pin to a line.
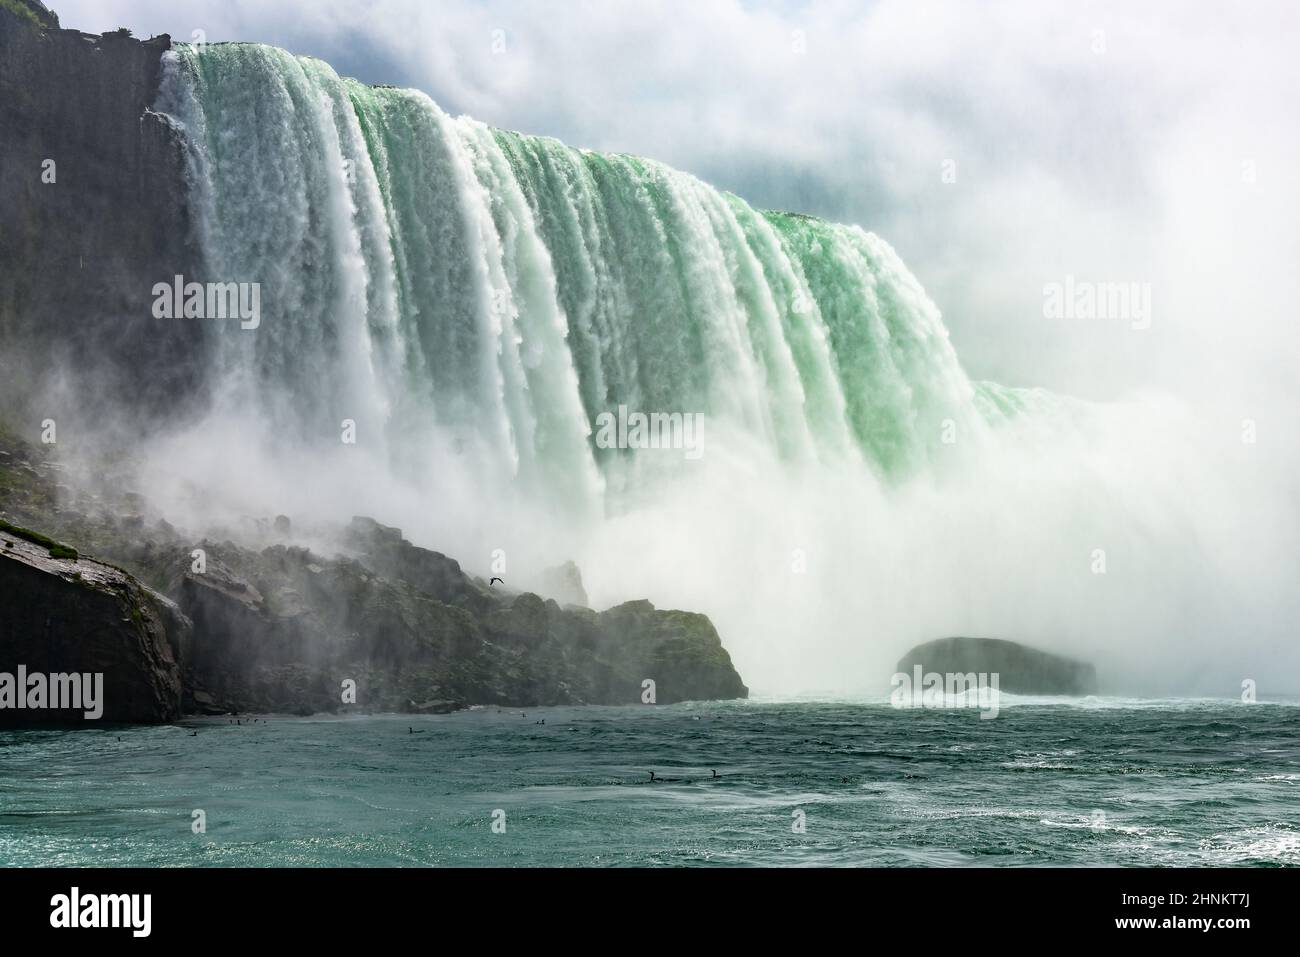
pixel 1022 670
pixel 82 252
pixel 285 630
pixel 64 615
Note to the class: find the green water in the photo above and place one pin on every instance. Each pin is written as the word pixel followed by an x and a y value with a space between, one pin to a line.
pixel 1095 782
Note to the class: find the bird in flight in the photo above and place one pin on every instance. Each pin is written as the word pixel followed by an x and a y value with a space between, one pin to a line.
pixel 495 580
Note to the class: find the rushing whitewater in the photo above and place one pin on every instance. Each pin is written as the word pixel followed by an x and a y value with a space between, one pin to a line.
pixel 468 303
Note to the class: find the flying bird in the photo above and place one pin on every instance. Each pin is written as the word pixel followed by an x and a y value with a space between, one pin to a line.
pixel 495 580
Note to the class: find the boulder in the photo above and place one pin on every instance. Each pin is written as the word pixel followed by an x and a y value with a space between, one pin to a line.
pixel 1021 669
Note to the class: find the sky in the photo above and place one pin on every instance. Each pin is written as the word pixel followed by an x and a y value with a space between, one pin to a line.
pixel 1000 147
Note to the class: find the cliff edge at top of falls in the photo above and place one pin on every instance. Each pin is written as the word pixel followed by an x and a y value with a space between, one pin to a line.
pixel 281 627
pixel 1021 669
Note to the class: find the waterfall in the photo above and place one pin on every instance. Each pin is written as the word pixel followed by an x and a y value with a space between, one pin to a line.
pixel 421 271
pixel 475 301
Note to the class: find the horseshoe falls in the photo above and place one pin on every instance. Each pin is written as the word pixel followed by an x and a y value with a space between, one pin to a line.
pixel 419 270
pixel 466 305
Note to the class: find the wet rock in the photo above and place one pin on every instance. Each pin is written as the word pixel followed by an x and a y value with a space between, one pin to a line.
pixel 65 615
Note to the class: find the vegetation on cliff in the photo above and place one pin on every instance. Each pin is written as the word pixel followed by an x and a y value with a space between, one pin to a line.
pixel 23 12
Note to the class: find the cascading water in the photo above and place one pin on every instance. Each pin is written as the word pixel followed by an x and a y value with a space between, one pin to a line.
pixel 474 300
pixel 418 268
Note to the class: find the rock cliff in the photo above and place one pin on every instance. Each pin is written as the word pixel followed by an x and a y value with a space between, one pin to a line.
pixel 93 212
pixel 376 624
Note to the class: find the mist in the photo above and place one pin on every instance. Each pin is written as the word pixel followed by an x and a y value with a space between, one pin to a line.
pixel 820 579
pixel 1106 145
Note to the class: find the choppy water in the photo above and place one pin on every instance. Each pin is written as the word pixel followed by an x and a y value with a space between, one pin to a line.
pixel 1092 782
